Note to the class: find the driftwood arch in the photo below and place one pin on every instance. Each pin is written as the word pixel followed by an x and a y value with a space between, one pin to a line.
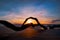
pixel 31 18
pixel 9 25
pixel 36 21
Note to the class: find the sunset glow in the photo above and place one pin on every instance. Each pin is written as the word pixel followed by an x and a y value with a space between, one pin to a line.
pixel 29 21
pixel 17 11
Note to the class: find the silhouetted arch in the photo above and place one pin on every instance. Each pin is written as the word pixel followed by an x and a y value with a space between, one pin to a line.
pixel 9 25
pixel 31 18
pixel 36 21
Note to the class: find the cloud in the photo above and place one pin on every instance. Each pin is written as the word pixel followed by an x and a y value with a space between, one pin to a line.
pixel 57 20
pixel 32 11
pixel 27 12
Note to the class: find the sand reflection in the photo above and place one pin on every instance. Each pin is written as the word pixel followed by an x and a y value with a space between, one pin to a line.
pixel 29 32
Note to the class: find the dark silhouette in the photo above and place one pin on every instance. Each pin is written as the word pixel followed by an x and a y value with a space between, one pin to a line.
pixel 9 25
pixel 36 21
pixel 24 26
pixel 54 26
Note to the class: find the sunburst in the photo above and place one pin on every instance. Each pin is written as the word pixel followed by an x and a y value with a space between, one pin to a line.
pixel 29 21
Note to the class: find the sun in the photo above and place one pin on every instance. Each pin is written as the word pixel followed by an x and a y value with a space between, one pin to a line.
pixel 29 21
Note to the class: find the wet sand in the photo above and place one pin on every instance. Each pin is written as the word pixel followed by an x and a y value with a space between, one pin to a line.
pixel 31 34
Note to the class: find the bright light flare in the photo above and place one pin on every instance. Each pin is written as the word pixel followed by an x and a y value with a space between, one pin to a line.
pixel 29 21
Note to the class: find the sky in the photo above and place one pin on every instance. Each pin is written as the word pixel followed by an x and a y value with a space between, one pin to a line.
pixel 16 11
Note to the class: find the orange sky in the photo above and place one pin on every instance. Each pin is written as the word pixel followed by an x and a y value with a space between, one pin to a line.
pixel 20 21
pixel 17 11
pixel 18 18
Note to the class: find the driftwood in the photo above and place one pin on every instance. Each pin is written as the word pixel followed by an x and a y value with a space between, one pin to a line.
pixel 24 26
